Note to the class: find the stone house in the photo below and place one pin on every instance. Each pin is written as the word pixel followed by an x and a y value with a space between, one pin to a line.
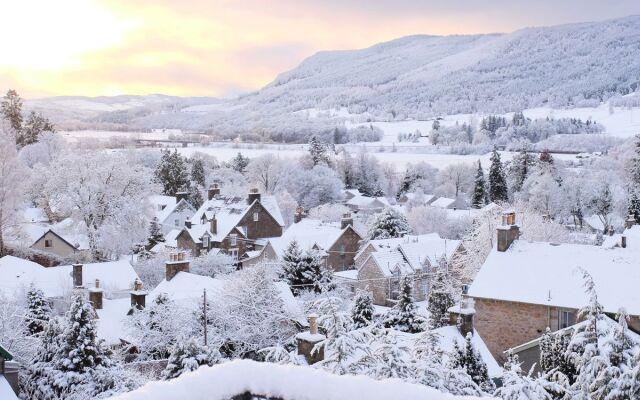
pixel 366 205
pixel 234 225
pixel 338 242
pixel 524 287
pixel 382 264
pixel 171 212
pixel 60 245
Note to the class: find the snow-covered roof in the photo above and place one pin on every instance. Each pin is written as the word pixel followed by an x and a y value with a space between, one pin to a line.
pixel 170 241
pixel 424 198
pixel 350 274
pixel 308 233
pixel 30 232
pixel 443 202
pixel 17 274
pixel 164 206
pixel 367 202
pixel 34 214
pixel 110 323
pixel 230 379
pixel 547 274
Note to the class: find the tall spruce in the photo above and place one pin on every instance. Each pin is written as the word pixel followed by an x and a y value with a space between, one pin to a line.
pixel 239 163
pixel 317 151
pixel 479 191
pixel 469 360
pixel 388 224
pixel 497 182
pixel 155 233
pixel 404 315
pixel 172 173
pixel 197 172
pixel 11 109
pixel 633 210
pixel 362 311
pixel 634 167
pixel 520 168
pixel 291 266
pixel 440 298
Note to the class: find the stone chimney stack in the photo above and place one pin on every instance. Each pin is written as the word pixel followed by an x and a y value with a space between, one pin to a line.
pixel 138 296
pixel 254 194
pixel 187 223
pixel 177 263
pixel 95 296
pixel 462 314
pixel 182 195
pixel 213 191
pixel 10 369
pixel 307 342
pixel 630 221
pixel 623 242
pixel 346 220
pixel 77 275
pixel 213 225
pixel 508 231
pixel 297 217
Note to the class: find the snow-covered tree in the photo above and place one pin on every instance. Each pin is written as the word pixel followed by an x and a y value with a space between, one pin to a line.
pixel 33 127
pixel 633 208
pixel 519 169
pixel 197 172
pixel 388 224
pixel 517 386
pixel 14 328
pixel 188 355
pixel 239 163
pixel 172 173
pixel 155 233
pixel 39 310
pixel 38 382
pixel 404 314
pixel 318 151
pixel 313 187
pixel 441 297
pixel 267 171
pixel 12 177
pixel 479 198
pixel 292 271
pixel 362 310
pixel 11 110
pixel 602 205
pixel 497 183
pixel 469 360
pixel 369 177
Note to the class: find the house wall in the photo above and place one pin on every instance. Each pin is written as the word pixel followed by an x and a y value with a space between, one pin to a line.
pixel 185 242
pixel 59 247
pixel 268 254
pixel 343 251
pixel 358 261
pixel 378 287
pixel 181 215
pixel 265 227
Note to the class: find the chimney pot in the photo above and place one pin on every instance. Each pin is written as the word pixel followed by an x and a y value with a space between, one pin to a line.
pixel 623 242
pixel 307 342
pixel 346 220
pixel 77 275
pixel 182 195
pixel 213 225
pixel 187 223
pixel 213 191
pixel 176 263
pixel 95 297
pixel 630 221
pixel 254 194
pixel 299 214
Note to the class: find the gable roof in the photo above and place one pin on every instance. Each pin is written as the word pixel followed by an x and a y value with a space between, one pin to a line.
pixel 169 205
pixel 310 233
pixel 443 202
pixel 362 201
pixel 17 274
pixel 548 274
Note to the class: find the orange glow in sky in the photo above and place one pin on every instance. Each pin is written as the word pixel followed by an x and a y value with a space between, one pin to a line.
pixel 211 47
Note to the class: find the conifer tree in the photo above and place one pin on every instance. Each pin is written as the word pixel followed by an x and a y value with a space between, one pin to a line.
pixel 11 110
pixel 497 182
pixel 171 173
pixel 362 311
pixel 33 127
pixel 440 298
pixel 317 151
pixel 479 191
pixel 634 206
pixel 634 167
pixel 388 224
pixel 469 360
pixel 38 382
pixel 291 269
pixel 316 274
pixel 404 315
pixel 520 168
pixel 155 233
pixel 39 310
pixel 188 355
pixel 197 172
pixel 239 163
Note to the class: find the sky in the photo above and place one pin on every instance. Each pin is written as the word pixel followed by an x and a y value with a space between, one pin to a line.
pixel 227 47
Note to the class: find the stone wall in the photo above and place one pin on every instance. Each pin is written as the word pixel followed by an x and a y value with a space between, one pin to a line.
pixel 378 287
pixel 265 227
pixel 343 251
pixel 185 242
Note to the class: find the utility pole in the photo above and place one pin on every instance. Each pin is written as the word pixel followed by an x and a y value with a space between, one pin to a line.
pixel 204 309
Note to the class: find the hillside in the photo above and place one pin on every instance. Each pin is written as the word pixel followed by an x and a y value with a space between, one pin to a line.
pixel 417 77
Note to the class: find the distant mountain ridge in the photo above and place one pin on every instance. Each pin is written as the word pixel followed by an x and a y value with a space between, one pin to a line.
pixel 421 76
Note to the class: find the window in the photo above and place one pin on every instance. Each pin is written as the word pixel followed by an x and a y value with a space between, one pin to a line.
pixel 233 240
pixel 256 217
pixel 205 242
pixel 48 243
pixel 566 319
pixel 233 253
pixel 176 222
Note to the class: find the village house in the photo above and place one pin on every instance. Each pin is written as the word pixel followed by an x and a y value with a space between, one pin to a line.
pixel 231 224
pixel 9 379
pixel 171 212
pixel 382 264
pixel 359 203
pixel 524 287
pixel 338 242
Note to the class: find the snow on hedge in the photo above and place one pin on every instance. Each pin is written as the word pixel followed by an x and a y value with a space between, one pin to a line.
pixel 223 381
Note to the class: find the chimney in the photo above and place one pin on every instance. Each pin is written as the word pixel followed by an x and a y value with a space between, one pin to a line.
pixel 297 217
pixel 254 194
pixel 508 231
pixel 623 242
pixel 213 225
pixel 462 314
pixel 187 223
pixel 95 296
pixel 346 220
pixel 77 275
pixel 11 372
pixel 181 196
pixel 138 297
pixel 631 221
pixel 307 342
pixel 213 191
pixel 177 263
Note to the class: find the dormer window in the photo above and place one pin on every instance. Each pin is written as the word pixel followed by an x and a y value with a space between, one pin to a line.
pixel 256 217
pixel 233 239
pixel 205 242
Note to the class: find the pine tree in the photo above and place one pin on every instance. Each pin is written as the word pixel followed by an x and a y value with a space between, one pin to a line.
pixel 197 172
pixel 440 298
pixel 634 206
pixel 195 195
pixel 11 110
pixel 171 173
pixel 186 356
pixel 239 163
pixel 497 183
pixel 547 355
pixel 291 269
pixel 520 168
pixel 33 127
pixel 315 273
pixel 404 314
pixel 516 386
pixel 634 167
pixel 479 191
pixel 38 382
pixel 388 224
pixel 155 233
pixel 362 311
pixel 39 310
pixel 469 360
pixel 317 151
